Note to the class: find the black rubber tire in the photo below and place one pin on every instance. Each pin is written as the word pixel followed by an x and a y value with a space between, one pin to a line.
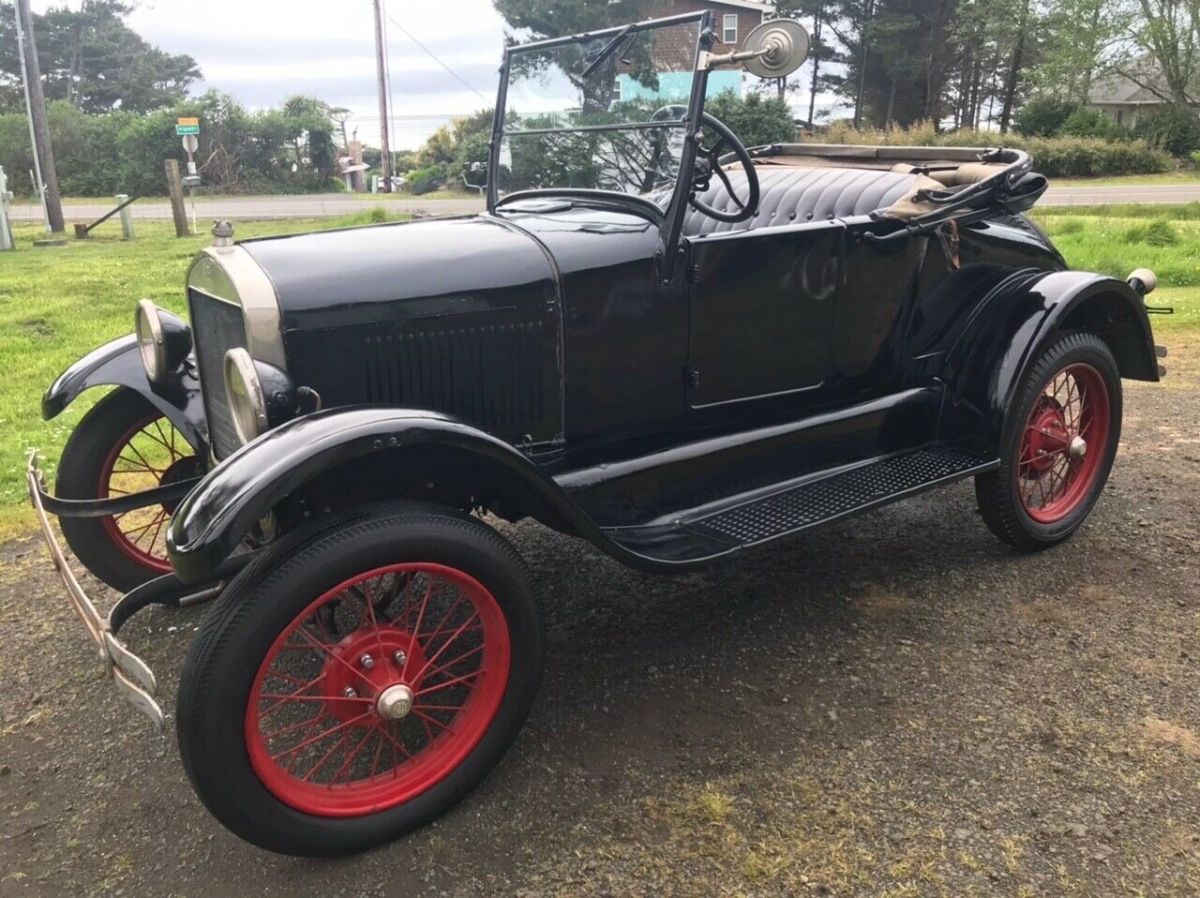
pixel 79 478
pixel 996 491
pixel 236 634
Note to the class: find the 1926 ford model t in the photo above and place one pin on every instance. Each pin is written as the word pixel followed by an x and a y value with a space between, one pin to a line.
pixel 655 339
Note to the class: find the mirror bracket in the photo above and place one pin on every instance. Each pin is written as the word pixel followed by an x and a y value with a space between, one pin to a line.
pixel 774 49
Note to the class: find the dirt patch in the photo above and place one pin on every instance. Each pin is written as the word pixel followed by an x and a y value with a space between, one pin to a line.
pixel 896 705
pixel 1172 734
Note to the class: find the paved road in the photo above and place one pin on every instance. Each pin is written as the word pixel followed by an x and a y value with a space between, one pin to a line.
pixel 259 207
pixel 1145 193
pixel 318 206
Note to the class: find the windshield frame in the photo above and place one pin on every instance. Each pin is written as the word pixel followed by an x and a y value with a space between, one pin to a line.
pixel 690 123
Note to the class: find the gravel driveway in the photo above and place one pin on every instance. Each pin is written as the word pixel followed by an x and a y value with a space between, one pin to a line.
pixel 896 705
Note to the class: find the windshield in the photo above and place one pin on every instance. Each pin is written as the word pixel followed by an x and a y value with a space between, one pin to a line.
pixel 603 112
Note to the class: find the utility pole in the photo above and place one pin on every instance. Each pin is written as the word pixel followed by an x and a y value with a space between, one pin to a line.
pixel 39 128
pixel 385 142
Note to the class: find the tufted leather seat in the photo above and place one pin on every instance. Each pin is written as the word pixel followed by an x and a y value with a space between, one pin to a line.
pixel 795 195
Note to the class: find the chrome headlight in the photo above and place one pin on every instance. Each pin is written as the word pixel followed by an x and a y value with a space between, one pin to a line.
pixel 244 394
pixel 163 339
pixel 260 396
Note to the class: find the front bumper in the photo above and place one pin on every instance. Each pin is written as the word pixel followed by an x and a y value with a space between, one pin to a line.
pixel 131 675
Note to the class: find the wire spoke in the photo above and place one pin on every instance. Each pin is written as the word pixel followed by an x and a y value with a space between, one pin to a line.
pixel 329 732
pixel 454 682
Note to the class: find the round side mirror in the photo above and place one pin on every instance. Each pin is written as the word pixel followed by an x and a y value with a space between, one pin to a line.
pixel 780 47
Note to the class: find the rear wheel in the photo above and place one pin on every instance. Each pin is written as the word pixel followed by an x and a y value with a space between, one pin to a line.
pixel 1058 445
pixel 123 445
pixel 355 683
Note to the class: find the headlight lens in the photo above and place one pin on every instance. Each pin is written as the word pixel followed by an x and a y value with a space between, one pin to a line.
pixel 151 343
pixel 163 339
pixel 244 393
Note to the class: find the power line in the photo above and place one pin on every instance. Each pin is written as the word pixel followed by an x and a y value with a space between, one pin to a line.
pixel 435 58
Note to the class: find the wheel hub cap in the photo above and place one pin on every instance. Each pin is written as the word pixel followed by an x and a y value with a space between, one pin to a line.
pixel 1077 448
pixel 395 702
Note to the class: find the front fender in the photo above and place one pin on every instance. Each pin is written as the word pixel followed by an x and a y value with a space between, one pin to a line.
pixel 117 363
pixel 213 519
pixel 1014 324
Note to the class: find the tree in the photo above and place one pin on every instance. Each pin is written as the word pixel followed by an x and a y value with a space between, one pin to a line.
pixel 555 18
pixel 1079 40
pixel 816 14
pixel 1169 32
pixel 93 60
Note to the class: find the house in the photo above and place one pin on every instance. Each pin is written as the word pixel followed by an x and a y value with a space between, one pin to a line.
pixel 673 65
pixel 1124 99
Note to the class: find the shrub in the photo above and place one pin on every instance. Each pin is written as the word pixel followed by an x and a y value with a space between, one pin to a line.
pixel 1158 232
pixel 1091 123
pixel 1044 116
pixel 1175 129
pixel 426 180
pixel 1055 157
pixel 1196 158
pixel 755 118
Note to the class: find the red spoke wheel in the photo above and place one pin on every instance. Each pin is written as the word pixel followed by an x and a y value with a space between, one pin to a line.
pixel 1063 443
pixel 359 679
pixel 151 453
pixel 1060 439
pixel 378 689
pixel 124 445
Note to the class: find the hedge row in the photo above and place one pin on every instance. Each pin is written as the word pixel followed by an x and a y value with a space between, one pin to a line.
pixel 1055 157
pixel 286 150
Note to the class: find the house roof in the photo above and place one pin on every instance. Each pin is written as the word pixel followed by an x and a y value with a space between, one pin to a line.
pixel 1118 89
pixel 756 5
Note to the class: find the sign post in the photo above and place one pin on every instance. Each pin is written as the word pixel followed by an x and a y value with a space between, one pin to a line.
pixel 6 236
pixel 188 127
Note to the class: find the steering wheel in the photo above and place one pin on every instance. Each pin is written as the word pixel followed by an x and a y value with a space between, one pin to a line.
pixel 708 161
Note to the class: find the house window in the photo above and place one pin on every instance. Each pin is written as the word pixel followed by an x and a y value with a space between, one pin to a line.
pixel 1120 116
pixel 729 28
pixel 616 94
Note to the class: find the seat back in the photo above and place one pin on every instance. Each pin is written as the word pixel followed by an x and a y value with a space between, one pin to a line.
pixel 790 195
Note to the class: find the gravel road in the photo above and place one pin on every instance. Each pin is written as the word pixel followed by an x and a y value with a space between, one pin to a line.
pixel 896 705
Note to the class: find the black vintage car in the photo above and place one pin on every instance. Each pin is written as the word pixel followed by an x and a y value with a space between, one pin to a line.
pixel 654 339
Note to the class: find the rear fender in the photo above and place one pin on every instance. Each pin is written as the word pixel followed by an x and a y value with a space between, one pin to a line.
pixel 331 452
pixel 1012 327
pixel 118 364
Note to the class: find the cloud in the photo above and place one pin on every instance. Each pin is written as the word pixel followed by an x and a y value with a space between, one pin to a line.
pixel 263 51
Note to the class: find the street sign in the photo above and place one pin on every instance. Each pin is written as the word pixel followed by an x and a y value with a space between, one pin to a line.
pixel 190 143
pixel 185 126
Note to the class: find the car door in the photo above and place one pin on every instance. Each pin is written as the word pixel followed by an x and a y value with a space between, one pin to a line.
pixel 762 306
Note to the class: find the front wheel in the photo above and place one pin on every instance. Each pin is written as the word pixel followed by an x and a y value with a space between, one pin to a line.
pixel 122 446
pixel 1057 447
pixel 358 681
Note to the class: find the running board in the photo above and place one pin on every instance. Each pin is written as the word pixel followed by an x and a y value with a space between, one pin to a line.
pixel 706 533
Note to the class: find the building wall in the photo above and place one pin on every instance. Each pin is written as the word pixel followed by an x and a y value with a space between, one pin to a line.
pixel 1124 114
pixel 675 55
pixel 677 86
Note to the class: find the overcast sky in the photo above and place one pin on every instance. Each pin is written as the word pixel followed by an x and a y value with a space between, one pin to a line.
pixel 263 51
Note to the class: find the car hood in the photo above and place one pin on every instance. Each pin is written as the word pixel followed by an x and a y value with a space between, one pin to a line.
pixel 425 268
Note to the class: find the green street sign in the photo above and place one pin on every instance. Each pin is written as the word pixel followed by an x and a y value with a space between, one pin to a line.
pixel 184 130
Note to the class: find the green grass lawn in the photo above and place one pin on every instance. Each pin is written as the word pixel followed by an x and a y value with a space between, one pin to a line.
pixel 57 304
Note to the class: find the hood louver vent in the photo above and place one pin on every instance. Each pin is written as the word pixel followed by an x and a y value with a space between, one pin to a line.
pixel 492 375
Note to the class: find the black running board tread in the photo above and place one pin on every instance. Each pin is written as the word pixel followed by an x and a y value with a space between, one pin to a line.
pixel 815 501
